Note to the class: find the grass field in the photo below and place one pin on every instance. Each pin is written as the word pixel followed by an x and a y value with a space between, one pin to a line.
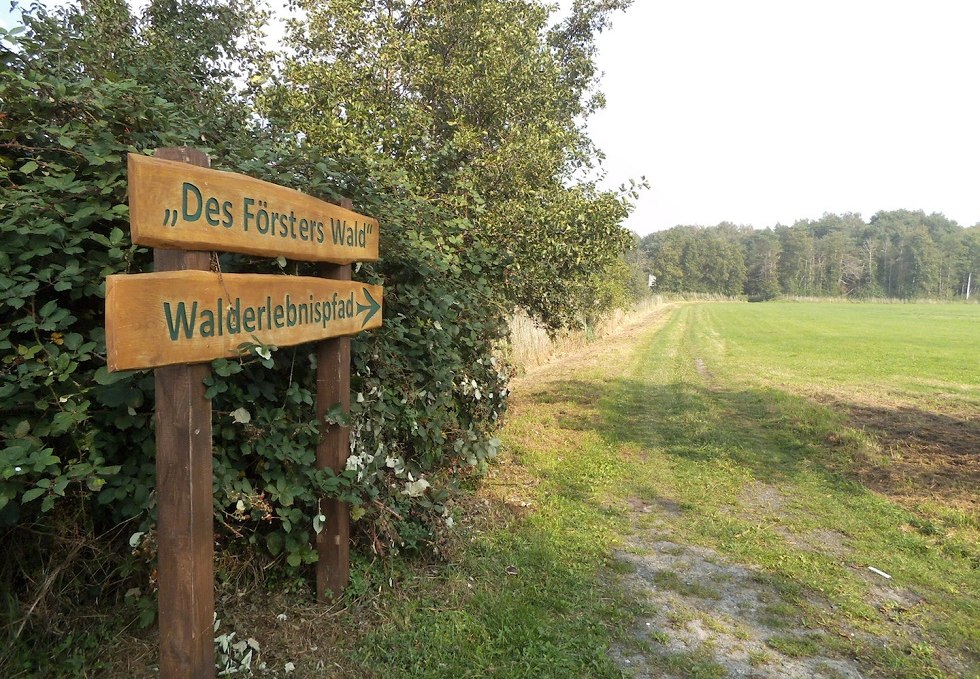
pixel 763 432
pixel 811 441
pixel 920 351
pixel 700 495
pixel 807 442
pixel 776 450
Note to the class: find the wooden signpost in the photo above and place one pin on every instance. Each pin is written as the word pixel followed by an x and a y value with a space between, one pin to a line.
pixel 158 319
pixel 183 315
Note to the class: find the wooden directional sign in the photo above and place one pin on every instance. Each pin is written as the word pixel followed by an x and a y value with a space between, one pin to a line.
pixel 180 206
pixel 177 317
pixel 184 315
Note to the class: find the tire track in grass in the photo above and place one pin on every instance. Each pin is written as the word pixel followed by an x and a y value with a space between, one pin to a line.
pixel 712 617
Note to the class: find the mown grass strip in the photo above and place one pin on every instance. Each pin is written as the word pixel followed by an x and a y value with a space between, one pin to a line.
pixel 526 599
pixel 697 407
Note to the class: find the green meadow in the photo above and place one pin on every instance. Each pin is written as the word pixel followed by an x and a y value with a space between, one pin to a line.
pixel 908 350
pixel 805 442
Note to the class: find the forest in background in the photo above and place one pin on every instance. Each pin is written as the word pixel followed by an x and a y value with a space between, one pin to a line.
pixel 898 254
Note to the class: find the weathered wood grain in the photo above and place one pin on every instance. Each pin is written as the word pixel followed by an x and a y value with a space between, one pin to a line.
pixel 185 536
pixel 332 387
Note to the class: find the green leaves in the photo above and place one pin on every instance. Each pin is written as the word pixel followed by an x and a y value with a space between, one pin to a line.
pixel 895 254
pixel 482 111
pixel 459 129
pixel 62 230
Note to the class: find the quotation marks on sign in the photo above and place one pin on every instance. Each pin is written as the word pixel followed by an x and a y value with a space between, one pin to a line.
pixel 169 217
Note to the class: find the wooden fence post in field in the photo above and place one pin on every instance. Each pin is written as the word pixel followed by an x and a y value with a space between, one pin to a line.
pixel 332 387
pixel 185 515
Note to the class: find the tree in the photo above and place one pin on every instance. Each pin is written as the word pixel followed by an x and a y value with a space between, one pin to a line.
pixel 796 261
pixel 919 265
pixel 970 266
pixel 664 251
pixel 764 251
pixel 899 253
pixel 481 106
pixel 919 252
pixel 639 268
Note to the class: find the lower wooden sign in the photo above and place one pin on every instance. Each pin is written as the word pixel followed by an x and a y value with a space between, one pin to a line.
pixel 176 317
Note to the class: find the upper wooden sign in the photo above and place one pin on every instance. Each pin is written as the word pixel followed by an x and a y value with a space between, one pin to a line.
pixel 180 206
pixel 175 317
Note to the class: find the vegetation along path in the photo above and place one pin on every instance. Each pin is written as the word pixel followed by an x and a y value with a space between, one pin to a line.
pixel 747 466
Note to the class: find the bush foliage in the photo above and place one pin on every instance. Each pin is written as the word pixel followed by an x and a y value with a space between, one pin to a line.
pixel 470 228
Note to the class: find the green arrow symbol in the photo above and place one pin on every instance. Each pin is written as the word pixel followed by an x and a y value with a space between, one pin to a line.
pixel 372 307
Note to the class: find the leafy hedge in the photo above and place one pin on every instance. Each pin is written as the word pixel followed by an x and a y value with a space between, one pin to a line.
pixel 424 383
pixel 78 92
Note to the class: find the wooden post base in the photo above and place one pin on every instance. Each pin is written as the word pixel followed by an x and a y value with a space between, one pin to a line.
pixel 185 516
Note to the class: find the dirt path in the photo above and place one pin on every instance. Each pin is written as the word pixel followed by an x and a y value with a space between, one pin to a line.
pixel 714 618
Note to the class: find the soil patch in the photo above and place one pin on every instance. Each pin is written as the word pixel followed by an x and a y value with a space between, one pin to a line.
pixel 716 618
pixel 926 455
pixel 761 496
pixel 823 541
pixel 702 369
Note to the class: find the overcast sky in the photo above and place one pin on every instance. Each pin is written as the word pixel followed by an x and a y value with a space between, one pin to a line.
pixel 768 111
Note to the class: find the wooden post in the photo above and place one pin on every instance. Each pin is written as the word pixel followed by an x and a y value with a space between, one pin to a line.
pixel 333 386
pixel 184 494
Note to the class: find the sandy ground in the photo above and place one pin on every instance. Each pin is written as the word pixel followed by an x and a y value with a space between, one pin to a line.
pixel 720 614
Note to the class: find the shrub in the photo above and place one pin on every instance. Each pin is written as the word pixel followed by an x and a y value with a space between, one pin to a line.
pixel 78 91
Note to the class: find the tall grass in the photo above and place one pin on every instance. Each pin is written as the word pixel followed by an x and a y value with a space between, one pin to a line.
pixel 702 297
pixel 531 345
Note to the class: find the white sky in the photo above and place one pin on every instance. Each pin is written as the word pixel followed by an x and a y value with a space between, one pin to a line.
pixel 768 111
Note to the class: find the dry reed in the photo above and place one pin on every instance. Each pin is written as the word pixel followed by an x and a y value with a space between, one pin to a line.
pixel 531 345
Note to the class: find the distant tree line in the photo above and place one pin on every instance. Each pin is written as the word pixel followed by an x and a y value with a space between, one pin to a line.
pixel 898 254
